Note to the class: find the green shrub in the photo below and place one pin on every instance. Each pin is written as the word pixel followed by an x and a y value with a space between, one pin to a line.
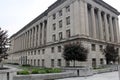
pixel 24 72
pixel 42 71
pixel 26 65
pixel 56 70
pixel 35 71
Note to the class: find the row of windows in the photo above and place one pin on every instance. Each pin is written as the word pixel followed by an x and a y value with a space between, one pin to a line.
pixel 68 35
pixel 61 23
pixel 61 12
pixel 93 47
pixel 53 49
pixel 38 62
pixel 43 51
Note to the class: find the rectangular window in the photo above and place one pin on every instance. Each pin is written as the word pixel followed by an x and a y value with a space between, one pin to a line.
pixel 52 50
pixel 38 52
pixel 54 37
pixel 60 24
pixel 34 52
pixel 60 36
pixel 101 61
pixel 38 62
pixel 93 46
pixel 34 62
pixel 68 9
pixel 59 62
pixel 54 16
pixel 59 49
pixel 101 47
pixel 54 26
pixel 43 63
pixel 68 20
pixel 60 13
pixel 68 33
pixel 43 51
pixel 52 62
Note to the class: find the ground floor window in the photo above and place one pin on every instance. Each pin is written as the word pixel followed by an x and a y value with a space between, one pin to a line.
pixel 67 63
pixel 38 62
pixel 43 63
pixel 101 61
pixel 52 62
pixel 94 63
pixel 59 62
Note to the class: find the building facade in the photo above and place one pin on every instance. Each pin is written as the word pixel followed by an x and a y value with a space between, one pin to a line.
pixel 94 23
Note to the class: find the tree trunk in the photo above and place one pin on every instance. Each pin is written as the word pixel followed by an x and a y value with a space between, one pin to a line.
pixel 74 63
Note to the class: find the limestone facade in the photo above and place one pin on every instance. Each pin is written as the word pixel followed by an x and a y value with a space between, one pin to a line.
pixel 40 43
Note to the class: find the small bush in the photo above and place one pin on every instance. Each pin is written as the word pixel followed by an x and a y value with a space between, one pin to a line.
pixel 24 72
pixel 42 71
pixel 35 71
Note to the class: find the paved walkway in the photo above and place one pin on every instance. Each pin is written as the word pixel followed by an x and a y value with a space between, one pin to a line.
pixel 103 76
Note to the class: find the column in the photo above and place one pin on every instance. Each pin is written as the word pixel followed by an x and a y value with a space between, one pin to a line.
pixel 86 19
pixel 35 32
pixel 106 27
pixel 100 25
pixel 93 22
pixel 111 29
pixel 32 38
pixel 39 36
pixel 117 29
pixel 43 33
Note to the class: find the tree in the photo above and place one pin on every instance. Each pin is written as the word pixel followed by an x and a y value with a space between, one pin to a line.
pixel 111 54
pixel 75 52
pixel 3 44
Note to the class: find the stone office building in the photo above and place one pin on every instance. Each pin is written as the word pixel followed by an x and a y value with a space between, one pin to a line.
pixel 94 23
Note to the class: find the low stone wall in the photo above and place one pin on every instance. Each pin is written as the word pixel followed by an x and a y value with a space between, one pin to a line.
pixel 109 69
pixel 7 74
pixel 84 71
pixel 43 76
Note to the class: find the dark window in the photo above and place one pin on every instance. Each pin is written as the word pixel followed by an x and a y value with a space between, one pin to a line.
pixel 60 13
pixel 34 52
pixel 101 47
pixel 54 37
pixel 54 26
pixel 68 9
pixel 54 16
pixel 43 51
pixel 52 50
pixel 68 33
pixel 59 62
pixel 68 20
pixel 60 24
pixel 59 49
pixel 38 52
pixel 93 47
pixel 43 63
pixel 52 62
pixel 60 36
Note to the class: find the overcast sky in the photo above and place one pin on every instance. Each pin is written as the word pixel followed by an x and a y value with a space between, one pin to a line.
pixel 15 14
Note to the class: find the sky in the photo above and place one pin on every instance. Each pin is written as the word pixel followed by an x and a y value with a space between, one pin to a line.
pixel 15 14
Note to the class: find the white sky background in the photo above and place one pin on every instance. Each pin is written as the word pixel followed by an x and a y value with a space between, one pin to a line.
pixel 15 14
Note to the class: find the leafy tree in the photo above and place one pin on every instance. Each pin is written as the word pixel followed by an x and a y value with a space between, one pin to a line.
pixel 75 52
pixel 3 44
pixel 111 54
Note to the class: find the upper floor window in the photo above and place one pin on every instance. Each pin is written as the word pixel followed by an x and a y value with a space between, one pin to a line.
pixel 60 13
pixel 68 33
pixel 43 51
pixel 59 48
pixel 54 37
pixel 54 16
pixel 38 52
pixel 93 46
pixel 52 50
pixel 68 9
pixel 101 47
pixel 54 26
pixel 60 36
pixel 68 20
pixel 60 24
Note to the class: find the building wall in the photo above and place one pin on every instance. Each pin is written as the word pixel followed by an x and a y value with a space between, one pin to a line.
pixel 86 21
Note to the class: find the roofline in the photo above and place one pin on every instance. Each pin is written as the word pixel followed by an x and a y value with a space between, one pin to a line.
pixel 56 4
pixel 104 4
